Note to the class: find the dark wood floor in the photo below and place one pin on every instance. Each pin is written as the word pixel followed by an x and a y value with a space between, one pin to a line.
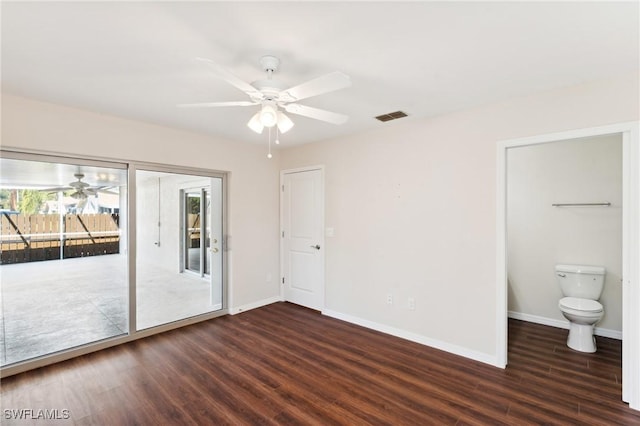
pixel 283 364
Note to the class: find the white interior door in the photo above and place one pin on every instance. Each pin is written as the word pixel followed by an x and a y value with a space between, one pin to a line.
pixel 302 209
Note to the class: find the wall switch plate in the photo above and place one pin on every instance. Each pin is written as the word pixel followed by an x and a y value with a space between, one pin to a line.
pixel 411 304
pixel 328 232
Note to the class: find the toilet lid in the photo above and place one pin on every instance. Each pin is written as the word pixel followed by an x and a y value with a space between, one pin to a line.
pixel 579 304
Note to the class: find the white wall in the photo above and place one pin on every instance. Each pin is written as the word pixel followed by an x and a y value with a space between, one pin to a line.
pixel 413 206
pixel 147 232
pixel 412 203
pixel 540 236
pixel 253 180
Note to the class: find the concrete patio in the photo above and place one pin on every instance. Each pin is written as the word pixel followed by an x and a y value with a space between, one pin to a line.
pixel 54 305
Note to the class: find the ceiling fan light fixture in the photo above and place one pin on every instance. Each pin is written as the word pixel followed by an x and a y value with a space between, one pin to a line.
pixel 269 115
pixel 255 124
pixel 79 195
pixel 284 123
pixel 272 96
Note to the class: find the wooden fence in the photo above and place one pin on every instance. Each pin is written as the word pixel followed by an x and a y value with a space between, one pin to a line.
pixel 30 238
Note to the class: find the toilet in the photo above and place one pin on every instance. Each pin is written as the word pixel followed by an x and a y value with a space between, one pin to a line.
pixel 582 286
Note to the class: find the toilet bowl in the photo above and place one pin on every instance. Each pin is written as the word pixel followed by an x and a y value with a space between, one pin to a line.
pixel 581 287
pixel 583 315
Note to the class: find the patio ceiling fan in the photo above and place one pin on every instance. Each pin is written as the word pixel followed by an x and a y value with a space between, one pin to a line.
pixel 273 97
pixel 82 190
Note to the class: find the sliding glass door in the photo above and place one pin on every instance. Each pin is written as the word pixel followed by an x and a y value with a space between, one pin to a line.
pixel 178 240
pixel 63 255
pixel 74 279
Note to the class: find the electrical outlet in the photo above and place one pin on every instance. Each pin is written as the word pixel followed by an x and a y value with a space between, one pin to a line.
pixel 389 299
pixel 411 304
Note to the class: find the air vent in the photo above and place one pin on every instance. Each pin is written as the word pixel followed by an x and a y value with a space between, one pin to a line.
pixel 391 116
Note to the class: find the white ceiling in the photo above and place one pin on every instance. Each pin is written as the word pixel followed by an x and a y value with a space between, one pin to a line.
pixel 136 60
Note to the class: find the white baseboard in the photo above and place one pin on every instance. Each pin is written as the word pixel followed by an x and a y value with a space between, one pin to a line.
pixel 414 337
pixel 604 332
pixel 260 303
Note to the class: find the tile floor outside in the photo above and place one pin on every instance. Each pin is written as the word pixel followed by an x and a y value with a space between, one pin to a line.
pixel 54 305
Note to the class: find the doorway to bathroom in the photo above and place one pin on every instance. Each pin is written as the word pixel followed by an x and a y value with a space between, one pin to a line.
pixel 537 178
pixel 564 207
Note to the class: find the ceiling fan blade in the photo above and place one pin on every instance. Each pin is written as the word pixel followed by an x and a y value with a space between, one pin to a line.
pixel 55 189
pixel 318 114
pixel 327 83
pixel 106 190
pixel 230 77
pixel 217 104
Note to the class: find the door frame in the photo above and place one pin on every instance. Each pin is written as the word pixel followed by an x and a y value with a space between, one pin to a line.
pixel 630 246
pixel 204 220
pixel 321 253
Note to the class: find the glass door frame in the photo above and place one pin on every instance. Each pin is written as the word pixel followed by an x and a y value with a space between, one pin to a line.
pixel 205 220
pixel 204 173
pixel 129 213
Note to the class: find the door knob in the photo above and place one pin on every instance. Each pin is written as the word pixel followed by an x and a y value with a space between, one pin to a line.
pixel 317 247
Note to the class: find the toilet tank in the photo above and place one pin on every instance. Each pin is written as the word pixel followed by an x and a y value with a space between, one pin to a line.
pixel 581 281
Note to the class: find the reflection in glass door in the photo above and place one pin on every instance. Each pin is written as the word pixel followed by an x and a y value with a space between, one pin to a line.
pixel 194 222
pixel 198 252
pixel 179 255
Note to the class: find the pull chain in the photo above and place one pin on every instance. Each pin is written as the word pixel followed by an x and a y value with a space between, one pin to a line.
pixel 269 154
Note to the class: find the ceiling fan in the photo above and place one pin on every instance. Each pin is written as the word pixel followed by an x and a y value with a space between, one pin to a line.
pixel 82 190
pixel 273 96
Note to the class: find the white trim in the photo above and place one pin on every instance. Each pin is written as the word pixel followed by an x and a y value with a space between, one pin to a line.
pixel 570 134
pixel 322 234
pixel 414 337
pixel 254 305
pixel 301 169
pixel 501 259
pixel 631 266
pixel 630 246
pixel 552 322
